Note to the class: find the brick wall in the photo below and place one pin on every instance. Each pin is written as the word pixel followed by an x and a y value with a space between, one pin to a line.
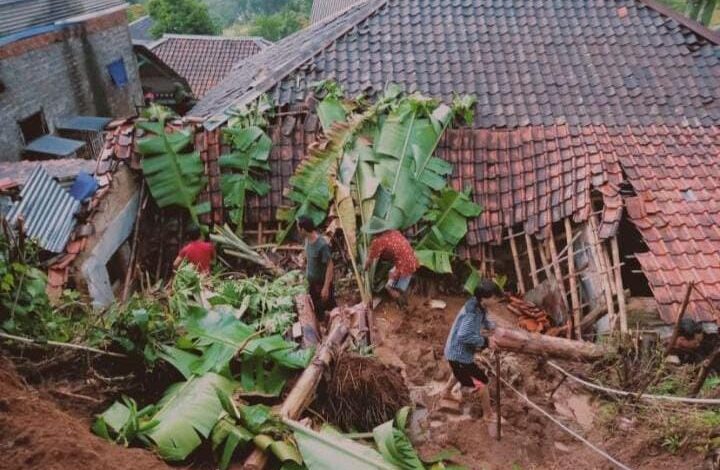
pixel 63 73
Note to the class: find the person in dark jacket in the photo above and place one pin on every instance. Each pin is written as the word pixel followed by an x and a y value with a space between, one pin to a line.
pixel 319 267
pixel 465 339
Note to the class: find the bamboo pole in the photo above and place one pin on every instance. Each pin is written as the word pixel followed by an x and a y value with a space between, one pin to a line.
pixel 559 275
pixel 531 257
pixel 516 262
pixel 544 261
pixel 574 297
pixel 622 307
pixel 497 396
pixel 600 261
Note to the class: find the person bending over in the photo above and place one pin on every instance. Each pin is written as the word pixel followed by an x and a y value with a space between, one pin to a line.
pixel 392 246
pixel 319 267
pixel 198 252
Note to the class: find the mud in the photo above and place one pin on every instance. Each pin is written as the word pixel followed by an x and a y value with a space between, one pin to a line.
pixel 413 338
pixel 36 433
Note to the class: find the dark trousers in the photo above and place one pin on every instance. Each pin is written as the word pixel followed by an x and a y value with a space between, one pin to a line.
pixel 321 307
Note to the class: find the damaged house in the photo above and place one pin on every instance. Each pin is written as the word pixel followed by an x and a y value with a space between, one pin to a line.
pixel 63 63
pixel 594 148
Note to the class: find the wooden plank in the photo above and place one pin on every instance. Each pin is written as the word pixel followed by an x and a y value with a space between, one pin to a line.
pixel 574 297
pixel 531 257
pixel 619 283
pixel 516 262
pixel 600 261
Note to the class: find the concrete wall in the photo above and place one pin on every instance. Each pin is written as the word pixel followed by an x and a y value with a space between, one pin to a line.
pixel 64 72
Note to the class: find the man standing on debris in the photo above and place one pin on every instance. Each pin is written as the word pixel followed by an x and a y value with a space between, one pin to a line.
pixel 465 339
pixel 319 267
pixel 198 252
pixel 392 246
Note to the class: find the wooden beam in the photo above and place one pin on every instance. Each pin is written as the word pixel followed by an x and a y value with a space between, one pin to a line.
pixel 524 342
pixel 558 270
pixel 603 268
pixel 531 257
pixel 574 297
pixel 681 314
pixel 622 307
pixel 516 262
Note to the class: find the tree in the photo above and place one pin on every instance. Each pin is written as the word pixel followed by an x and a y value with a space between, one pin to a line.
pixel 277 26
pixel 180 17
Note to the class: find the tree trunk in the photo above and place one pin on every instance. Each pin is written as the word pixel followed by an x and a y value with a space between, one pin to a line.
pixel 520 341
pixel 308 321
pixel 303 392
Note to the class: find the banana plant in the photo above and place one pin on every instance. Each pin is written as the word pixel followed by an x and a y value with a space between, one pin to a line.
pixel 448 224
pixel 174 175
pixel 247 162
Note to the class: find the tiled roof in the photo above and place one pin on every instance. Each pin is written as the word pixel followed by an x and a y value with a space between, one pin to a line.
pixel 322 9
pixel 676 175
pixel 140 30
pixel 579 62
pixel 205 60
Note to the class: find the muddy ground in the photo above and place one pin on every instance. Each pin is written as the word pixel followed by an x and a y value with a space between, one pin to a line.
pixel 413 339
pixel 46 425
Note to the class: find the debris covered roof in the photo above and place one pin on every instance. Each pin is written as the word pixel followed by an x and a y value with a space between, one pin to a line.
pixel 62 169
pixel 205 60
pixel 675 173
pixel 576 62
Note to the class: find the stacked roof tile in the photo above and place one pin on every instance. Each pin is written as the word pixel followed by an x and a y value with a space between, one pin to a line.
pixel 205 60
pixel 578 62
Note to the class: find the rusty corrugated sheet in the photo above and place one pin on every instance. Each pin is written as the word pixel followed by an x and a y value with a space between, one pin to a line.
pixel 47 209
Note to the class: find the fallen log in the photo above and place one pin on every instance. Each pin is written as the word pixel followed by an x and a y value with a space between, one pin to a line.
pixel 308 321
pixel 515 340
pixel 303 392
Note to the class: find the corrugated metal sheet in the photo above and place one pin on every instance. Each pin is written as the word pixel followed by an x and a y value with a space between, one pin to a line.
pixel 18 15
pixel 47 209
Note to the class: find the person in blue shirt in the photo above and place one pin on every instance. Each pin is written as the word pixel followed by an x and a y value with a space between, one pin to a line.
pixel 465 339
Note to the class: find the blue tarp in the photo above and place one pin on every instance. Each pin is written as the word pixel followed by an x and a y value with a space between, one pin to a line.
pixel 84 186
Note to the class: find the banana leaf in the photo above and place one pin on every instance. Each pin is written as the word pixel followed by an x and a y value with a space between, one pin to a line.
pixel 251 150
pixel 328 451
pixel 394 445
pixel 330 110
pixel 449 218
pixel 188 411
pixel 268 362
pixel 226 436
pixel 123 422
pixel 174 178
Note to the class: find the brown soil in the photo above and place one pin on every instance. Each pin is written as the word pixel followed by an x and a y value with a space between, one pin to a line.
pixel 36 433
pixel 360 393
pixel 413 339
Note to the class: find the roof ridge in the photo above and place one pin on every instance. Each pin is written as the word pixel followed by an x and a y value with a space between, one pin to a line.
pixel 694 26
pixel 142 18
pixel 211 37
pixel 306 51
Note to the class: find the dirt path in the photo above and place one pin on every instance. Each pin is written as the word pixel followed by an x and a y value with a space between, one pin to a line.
pixel 413 339
pixel 36 434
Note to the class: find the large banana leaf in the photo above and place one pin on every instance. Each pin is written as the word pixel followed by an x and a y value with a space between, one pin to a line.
pixel 249 156
pixel 329 451
pixel 268 362
pixel 449 221
pixel 394 445
pixel 188 410
pixel 175 177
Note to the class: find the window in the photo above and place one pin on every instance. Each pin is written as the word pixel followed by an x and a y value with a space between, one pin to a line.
pixel 117 72
pixel 33 126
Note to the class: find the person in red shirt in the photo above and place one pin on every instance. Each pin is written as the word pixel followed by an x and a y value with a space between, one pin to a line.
pixel 392 246
pixel 199 252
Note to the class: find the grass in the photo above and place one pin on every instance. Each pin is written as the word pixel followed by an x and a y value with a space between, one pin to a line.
pixel 681 6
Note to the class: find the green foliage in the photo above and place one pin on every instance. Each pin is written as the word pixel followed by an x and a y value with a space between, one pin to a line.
pixel 270 19
pixel 394 445
pixel 246 163
pixel 278 25
pixel 448 219
pixel 135 12
pixel 175 177
pixel 180 17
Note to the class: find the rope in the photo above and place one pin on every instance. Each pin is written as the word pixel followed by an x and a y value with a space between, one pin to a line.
pixel 563 427
pixel 697 401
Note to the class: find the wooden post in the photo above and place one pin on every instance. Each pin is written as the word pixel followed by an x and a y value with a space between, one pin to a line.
pixel 619 283
pixel 706 368
pixel 574 297
pixel 497 395
pixel 559 278
pixel 516 261
pixel 260 234
pixel 597 251
pixel 544 261
pixel 681 314
pixel 531 256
